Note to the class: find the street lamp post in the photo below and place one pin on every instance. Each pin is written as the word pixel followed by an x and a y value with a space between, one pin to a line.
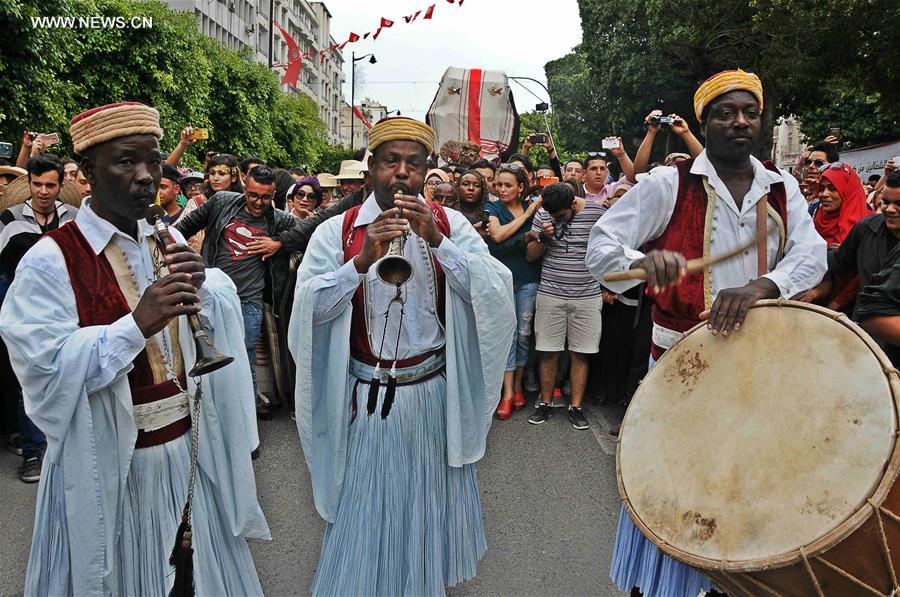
pixel 354 60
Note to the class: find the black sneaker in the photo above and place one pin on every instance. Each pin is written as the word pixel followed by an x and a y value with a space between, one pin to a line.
pixel 14 443
pixel 576 417
pixel 541 414
pixel 30 471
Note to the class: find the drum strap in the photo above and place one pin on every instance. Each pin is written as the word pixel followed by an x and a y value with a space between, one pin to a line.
pixel 762 261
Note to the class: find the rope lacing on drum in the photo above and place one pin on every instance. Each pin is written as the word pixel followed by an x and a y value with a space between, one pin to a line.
pixel 885 547
pixel 812 574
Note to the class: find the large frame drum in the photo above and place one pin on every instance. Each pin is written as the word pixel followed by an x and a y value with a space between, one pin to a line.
pixel 767 459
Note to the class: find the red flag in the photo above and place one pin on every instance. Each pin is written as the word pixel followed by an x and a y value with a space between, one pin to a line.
pixel 353 38
pixel 429 13
pixel 361 117
pixel 377 33
pixel 386 23
pixel 368 33
pixel 292 72
pixel 412 18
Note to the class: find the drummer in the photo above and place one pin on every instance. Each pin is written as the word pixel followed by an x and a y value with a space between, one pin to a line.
pixel 701 208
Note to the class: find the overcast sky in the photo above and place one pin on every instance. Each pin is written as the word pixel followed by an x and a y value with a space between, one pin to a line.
pixel 491 34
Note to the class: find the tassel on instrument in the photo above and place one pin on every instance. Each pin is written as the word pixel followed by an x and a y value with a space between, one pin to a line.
pixel 389 393
pixel 182 559
pixel 374 386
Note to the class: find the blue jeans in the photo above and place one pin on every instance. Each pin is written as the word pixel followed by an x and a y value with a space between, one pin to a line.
pixel 525 298
pixel 253 316
pixel 33 441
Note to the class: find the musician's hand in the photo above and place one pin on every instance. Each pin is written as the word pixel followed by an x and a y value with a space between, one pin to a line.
pixel 732 305
pixel 181 258
pixel 379 234
pixel 815 293
pixel 263 245
pixel 664 269
pixel 165 299
pixel 420 217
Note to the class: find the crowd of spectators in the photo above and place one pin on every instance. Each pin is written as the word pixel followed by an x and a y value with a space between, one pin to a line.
pixel 576 341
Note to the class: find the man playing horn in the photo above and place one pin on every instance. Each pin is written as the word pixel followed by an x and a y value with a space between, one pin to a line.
pixel 711 205
pixel 397 383
pixel 101 352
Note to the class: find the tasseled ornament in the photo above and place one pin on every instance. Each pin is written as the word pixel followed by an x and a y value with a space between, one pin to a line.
pixel 182 559
pixel 374 386
pixel 389 393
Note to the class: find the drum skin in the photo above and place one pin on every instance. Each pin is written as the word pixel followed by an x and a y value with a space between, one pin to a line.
pixel 767 459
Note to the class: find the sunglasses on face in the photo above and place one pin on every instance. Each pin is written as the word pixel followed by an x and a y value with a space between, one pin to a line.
pixel 512 166
pixel 816 163
pixel 304 195
pixel 596 154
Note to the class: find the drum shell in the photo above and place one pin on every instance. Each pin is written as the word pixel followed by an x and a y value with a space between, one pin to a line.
pixel 861 555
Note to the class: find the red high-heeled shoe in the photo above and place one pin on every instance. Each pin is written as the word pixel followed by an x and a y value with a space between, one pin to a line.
pixel 504 410
pixel 518 400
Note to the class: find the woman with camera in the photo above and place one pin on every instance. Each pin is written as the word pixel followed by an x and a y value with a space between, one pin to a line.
pixel 508 220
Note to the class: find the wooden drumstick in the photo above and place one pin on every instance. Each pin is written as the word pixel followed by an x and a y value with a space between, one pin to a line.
pixel 693 265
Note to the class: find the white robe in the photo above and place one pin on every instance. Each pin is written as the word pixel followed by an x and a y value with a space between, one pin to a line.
pixel 479 330
pixel 75 388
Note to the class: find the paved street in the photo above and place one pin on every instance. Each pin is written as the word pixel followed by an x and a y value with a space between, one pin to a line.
pixel 549 497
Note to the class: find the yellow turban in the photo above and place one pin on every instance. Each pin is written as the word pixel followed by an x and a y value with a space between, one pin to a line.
pixel 401 128
pixel 723 82
pixel 112 121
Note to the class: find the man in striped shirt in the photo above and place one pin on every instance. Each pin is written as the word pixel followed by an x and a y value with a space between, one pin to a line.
pixel 569 299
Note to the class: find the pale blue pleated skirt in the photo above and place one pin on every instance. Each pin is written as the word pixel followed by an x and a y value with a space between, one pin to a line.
pixel 637 562
pixel 154 497
pixel 406 523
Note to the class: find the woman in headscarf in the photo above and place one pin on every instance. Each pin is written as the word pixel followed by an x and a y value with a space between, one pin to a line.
pixel 433 178
pixel 842 203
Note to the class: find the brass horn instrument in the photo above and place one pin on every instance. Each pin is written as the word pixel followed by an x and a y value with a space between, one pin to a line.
pixel 208 358
pixel 394 268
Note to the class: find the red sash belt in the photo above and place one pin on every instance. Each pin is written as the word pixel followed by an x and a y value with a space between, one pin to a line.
pixel 148 394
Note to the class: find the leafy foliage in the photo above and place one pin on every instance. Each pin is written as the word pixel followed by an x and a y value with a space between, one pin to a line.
pixel 50 75
pixel 831 60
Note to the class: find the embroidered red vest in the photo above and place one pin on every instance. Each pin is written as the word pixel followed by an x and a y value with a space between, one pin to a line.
pixel 678 308
pixel 100 301
pixel 353 238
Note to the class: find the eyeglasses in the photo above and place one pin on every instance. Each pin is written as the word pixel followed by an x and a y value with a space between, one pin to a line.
pixel 433 183
pixel 837 166
pixel 257 197
pixel 818 163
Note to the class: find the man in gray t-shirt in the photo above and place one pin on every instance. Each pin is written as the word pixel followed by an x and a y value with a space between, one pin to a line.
pixel 246 270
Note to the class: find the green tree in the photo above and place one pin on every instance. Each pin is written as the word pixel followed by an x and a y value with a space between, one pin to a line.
pixel 331 157
pixel 651 54
pixel 50 75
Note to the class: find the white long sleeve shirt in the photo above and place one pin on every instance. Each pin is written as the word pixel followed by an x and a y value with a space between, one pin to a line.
pixel 422 331
pixel 644 212
pixel 42 285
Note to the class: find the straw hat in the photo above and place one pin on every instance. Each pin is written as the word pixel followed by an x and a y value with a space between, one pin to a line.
pixel 351 170
pixel 327 181
pixel 18 191
pixel 12 170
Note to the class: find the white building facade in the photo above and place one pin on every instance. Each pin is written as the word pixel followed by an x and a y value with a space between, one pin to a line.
pixel 243 25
